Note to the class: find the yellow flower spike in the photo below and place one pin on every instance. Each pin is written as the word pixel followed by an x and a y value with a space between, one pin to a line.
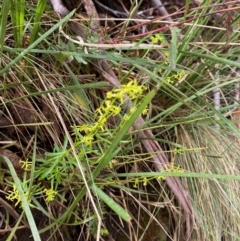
pixel 26 165
pixel 50 193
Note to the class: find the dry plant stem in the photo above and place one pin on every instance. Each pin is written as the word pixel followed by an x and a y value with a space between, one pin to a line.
pixel 160 160
pixel 13 213
pixel 59 8
pixel 92 13
pixel 162 10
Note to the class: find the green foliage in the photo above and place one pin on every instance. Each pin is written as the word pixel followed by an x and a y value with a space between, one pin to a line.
pixel 86 158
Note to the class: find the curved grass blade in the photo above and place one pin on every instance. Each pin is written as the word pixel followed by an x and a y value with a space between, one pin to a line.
pixel 24 201
pixel 3 23
pixel 111 203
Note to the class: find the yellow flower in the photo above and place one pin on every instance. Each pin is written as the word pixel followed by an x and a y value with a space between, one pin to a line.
pixel 50 193
pixel 133 89
pixel 136 182
pixel 173 169
pixel 14 194
pixel 156 38
pixel 178 151
pixel 87 140
pixel 133 109
pixel 26 165
pixel 145 111
pixel 86 128
pixel 116 94
pixel 161 178
pixel 145 181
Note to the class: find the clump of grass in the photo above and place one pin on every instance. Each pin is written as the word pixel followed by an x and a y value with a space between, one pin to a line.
pixel 83 161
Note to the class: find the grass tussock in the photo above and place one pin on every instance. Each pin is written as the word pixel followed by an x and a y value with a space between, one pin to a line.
pixel 130 133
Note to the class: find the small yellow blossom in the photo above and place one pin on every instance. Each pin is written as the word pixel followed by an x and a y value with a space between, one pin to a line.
pixel 101 122
pixel 136 182
pixel 116 94
pixel 110 108
pixel 156 38
pixel 87 140
pixel 26 165
pixel 145 111
pixel 86 128
pixel 173 169
pixel 14 194
pixel 161 178
pixel 170 80
pixel 116 109
pixel 133 109
pixel 126 117
pixel 145 181
pixel 133 89
pixel 178 151
pixel 50 193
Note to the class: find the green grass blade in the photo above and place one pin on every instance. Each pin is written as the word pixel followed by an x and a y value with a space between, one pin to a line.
pixel 173 48
pixel 213 58
pixel 24 201
pixel 111 203
pixel 11 235
pixel 3 23
pixel 38 15
pixel 17 17
pixel 177 174
pixel 34 44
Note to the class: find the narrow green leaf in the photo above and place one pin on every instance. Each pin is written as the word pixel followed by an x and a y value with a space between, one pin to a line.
pixel 187 4
pixel 3 23
pixel 173 47
pixel 34 44
pixel 111 203
pixel 38 15
pixel 24 201
pixel 214 58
